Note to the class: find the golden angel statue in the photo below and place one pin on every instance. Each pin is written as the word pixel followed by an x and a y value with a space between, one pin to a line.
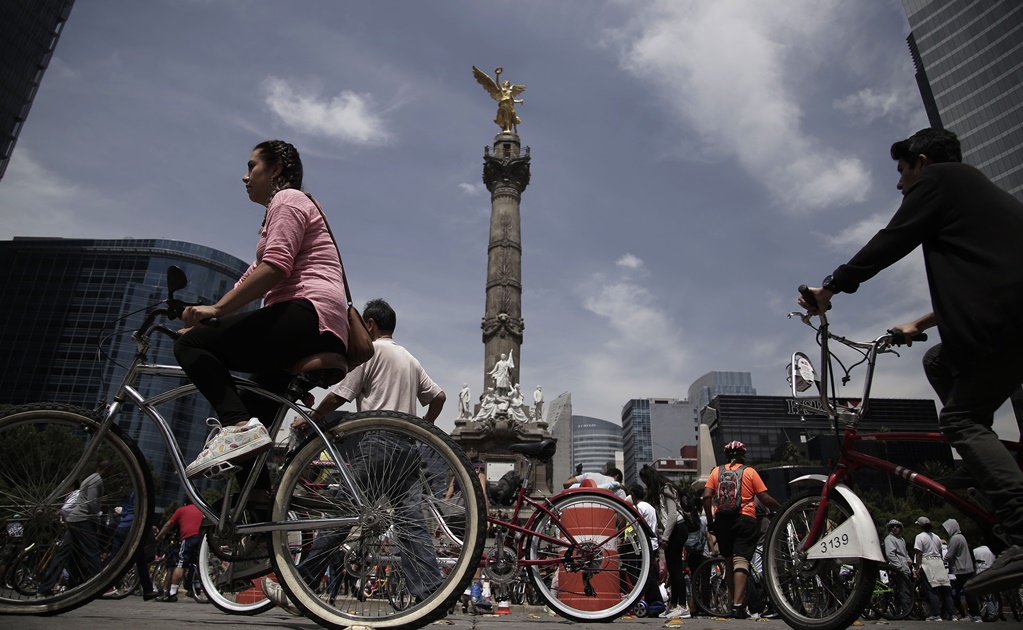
pixel 504 94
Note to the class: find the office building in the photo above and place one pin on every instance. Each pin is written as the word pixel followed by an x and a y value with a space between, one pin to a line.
pixel 29 31
pixel 595 442
pixel 559 423
pixel 969 63
pixel 67 308
pixel 771 428
pixel 654 428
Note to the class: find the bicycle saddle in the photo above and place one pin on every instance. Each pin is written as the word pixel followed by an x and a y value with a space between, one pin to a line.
pixel 542 451
pixel 322 369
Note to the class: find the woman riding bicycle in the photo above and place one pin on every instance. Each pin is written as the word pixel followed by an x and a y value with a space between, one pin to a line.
pixel 298 274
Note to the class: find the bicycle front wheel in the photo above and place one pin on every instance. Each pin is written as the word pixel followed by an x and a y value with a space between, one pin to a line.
pixel 40 445
pixel 710 588
pixel 602 575
pixel 823 594
pixel 378 509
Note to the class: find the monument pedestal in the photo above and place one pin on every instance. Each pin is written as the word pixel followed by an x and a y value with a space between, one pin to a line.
pixel 488 440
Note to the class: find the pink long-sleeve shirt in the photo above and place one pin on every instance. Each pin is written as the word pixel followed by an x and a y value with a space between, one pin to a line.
pixel 295 239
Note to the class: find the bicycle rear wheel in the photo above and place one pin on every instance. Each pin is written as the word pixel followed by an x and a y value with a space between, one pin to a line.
pixel 233 586
pixel 40 445
pixel 710 588
pixel 602 577
pixel 824 594
pixel 124 587
pixel 398 465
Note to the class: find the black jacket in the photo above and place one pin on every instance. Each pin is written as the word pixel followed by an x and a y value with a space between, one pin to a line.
pixel 972 236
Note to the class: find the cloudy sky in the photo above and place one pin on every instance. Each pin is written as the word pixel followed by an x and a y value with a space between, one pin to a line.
pixel 693 162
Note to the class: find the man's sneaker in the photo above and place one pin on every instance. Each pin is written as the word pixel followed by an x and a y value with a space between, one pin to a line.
pixel 739 612
pixel 168 598
pixel 933 618
pixel 1006 572
pixel 671 614
pixel 275 593
pixel 230 444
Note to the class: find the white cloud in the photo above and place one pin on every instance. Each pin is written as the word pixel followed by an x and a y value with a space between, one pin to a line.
pixel 52 199
pixel 869 105
pixel 630 262
pixel 348 117
pixel 472 189
pixel 732 72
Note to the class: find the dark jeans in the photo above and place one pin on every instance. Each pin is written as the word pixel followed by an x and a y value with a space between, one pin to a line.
pixel 79 545
pixel 970 398
pixel 264 342
pixel 960 594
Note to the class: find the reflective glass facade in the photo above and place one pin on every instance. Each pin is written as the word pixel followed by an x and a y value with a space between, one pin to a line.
pixel 594 442
pixel 969 60
pixel 61 298
pixel 637 444
pixel 29 30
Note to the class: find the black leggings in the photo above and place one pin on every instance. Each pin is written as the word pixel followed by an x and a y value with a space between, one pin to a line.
pixel 264 342
pixel 674 557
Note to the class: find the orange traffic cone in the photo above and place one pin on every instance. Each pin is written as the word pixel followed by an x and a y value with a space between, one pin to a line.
pixel 503 607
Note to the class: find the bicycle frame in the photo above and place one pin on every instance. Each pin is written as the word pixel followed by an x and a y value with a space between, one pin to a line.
pixel 862 541
pixel 224 522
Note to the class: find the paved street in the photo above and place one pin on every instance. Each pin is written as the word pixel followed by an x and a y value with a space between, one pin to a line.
pixel 186 614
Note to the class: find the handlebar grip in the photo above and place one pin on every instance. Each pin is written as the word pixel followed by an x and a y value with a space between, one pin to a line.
pixel 899 338
pixel 808 295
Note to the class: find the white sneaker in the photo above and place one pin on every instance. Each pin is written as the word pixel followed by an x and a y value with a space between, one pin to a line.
pixel 275 593
pixel 227 444
pixel 684 613
pixel 671 613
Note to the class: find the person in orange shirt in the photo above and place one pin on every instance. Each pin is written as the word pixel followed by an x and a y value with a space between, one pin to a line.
pixel 728 500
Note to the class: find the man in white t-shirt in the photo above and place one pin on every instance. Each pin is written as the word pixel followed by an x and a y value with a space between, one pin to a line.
pixel 611 481
pixel 929 562
pixel 392 380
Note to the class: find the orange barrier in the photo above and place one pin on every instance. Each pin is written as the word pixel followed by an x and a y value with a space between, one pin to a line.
pixel 593 524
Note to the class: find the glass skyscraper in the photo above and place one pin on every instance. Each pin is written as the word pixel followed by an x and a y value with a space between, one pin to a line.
pixel 67 308
pixel 594 443
pixel 29 30
pixel 969 61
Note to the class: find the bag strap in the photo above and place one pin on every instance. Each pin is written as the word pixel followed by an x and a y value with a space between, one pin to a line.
pixel 344 277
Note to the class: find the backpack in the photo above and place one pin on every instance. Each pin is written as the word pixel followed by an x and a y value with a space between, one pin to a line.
pixel 728 498
pixel 688 513
pixel 697 539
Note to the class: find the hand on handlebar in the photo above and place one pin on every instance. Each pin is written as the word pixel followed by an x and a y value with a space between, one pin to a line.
pixel 194 315
pixel 814 299
pixel 906 334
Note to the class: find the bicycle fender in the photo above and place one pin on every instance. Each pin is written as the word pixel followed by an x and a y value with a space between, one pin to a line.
pixel 855 538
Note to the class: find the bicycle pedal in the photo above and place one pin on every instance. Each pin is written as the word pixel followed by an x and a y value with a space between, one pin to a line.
pixel 222 470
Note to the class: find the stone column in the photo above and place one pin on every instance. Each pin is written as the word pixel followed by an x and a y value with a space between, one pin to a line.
pixel 506 175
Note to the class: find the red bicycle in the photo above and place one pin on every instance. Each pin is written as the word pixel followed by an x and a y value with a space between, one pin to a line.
pixel 823 549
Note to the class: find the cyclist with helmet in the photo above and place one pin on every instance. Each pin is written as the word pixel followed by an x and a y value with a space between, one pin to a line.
pixel 898 557
pixel 733 519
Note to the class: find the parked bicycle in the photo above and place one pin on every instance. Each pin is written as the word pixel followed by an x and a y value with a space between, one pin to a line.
pixel 710 588
pixel 587 553
pixel 892 597
pixel 364 464
pixel 823 549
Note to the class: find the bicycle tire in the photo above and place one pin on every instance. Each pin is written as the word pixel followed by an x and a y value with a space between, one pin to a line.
pixel 394 459
pixel 819 594
pixel 710 588
pixel 225 582
pixel 595 516
pixel 40 444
